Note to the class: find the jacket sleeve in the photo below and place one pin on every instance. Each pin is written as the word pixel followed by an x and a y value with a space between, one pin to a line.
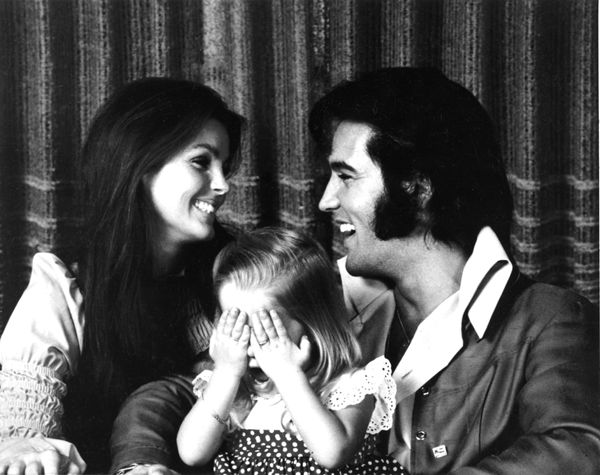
pixel 558 405
pixel 145 429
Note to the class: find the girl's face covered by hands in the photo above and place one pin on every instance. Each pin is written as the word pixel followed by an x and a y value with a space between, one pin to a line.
pixel 252 302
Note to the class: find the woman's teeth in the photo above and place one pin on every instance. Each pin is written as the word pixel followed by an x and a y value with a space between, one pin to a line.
pixel 347 228
pixel 204 207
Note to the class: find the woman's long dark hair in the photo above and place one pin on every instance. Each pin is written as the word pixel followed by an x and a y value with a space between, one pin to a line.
pixel 135 133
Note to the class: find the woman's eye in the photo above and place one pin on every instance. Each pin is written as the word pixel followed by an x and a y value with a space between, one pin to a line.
pixel 202 162
pixel 344 176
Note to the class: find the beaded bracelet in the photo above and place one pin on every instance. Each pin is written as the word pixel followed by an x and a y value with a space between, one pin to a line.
pixel 219 419
pixel 129 468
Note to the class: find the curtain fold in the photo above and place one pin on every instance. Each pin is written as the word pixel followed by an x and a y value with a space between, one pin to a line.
pixel 533 64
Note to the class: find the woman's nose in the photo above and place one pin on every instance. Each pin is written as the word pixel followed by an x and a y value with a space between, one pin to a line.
pixel 219 182
pixel 329 200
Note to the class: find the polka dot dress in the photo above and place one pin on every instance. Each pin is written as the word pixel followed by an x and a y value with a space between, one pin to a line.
pixel 277 452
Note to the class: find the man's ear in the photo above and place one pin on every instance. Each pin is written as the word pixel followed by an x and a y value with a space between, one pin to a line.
pixel 420 189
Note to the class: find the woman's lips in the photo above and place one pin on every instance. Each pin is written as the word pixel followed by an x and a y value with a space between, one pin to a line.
pixel 204 206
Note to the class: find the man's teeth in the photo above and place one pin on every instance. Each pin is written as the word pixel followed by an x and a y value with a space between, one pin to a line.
pixel 347 228
pixel 204 207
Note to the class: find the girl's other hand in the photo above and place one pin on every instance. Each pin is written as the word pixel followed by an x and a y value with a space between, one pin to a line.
pixel 229 342
pixel 152 470
pixel 39 455
pixel 275 353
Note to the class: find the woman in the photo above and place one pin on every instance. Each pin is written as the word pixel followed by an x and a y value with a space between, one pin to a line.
pixel 155 164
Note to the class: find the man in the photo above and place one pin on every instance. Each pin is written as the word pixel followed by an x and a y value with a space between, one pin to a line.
pixel 495 373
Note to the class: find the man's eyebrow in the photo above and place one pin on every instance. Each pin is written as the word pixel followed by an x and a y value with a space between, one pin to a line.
pixel 341 166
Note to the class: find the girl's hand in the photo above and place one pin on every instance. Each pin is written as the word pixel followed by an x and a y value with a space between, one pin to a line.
pixel 275 353
pixel 229 342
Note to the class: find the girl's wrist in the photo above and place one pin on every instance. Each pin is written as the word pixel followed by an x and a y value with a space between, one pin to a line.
pixel 228 370
pixel 289 376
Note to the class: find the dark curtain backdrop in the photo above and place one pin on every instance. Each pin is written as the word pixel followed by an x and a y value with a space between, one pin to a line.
pixel 533 63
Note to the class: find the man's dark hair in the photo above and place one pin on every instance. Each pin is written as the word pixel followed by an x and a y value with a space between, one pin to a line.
pixel 434 142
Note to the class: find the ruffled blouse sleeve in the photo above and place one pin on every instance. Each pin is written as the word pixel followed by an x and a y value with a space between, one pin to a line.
pixel 374 379
pixel 200 382
pixel 39 350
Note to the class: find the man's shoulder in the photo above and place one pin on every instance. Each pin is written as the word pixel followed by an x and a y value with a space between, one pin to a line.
pixel 542 303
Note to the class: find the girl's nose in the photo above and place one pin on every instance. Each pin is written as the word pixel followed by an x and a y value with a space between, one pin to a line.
pixel 329 201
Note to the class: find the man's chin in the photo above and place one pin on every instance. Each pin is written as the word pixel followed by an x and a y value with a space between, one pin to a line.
pixel 361 268
pixel 353 266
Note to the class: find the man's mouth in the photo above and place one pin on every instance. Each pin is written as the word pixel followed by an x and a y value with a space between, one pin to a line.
pixel 204 206
pixel 347 229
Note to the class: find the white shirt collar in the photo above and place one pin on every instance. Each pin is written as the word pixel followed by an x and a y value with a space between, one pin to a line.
pixel 484 278
pixel 487 253
pixel 439 337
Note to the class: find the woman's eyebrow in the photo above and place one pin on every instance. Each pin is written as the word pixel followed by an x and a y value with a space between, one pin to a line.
pixel 211 148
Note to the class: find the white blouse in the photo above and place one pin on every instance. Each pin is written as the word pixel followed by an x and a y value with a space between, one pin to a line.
pixel 39 350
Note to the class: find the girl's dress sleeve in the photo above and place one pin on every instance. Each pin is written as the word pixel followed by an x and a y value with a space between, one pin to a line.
pixel 374 379
pixel 39 350
pixel 200 382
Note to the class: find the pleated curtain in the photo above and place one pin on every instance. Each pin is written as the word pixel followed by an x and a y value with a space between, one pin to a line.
pixel 532 63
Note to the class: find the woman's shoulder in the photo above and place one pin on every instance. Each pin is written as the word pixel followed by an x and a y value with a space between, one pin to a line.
pixel 52 266
pixel 50 316
pixel 54 277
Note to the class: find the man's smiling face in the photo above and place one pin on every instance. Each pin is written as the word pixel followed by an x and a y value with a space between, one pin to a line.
pixel 352 193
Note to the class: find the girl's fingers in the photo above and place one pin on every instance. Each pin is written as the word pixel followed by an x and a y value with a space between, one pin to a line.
pixel 238 326
pixel 278 325
pixel 232 315
pixel 74 469
pixel 258 331
pixel 245 336
pixel 254 345
pixel 267 324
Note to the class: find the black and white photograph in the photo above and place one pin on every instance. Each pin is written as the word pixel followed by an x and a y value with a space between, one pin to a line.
pixel 299 237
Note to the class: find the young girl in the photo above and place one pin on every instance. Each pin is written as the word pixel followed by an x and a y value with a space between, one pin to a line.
pixel 285 390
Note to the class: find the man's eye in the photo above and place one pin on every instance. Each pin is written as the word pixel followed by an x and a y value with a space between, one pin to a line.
pixel 344 176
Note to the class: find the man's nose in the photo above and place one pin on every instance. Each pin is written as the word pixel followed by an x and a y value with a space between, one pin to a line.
pixel 329 200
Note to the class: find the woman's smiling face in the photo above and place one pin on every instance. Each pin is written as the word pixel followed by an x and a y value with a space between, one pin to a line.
pixel 189 188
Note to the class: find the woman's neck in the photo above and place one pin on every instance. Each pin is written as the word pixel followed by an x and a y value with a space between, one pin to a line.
pixel 167 259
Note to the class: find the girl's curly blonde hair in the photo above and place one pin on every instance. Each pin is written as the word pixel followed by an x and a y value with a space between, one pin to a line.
pixel 296 274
